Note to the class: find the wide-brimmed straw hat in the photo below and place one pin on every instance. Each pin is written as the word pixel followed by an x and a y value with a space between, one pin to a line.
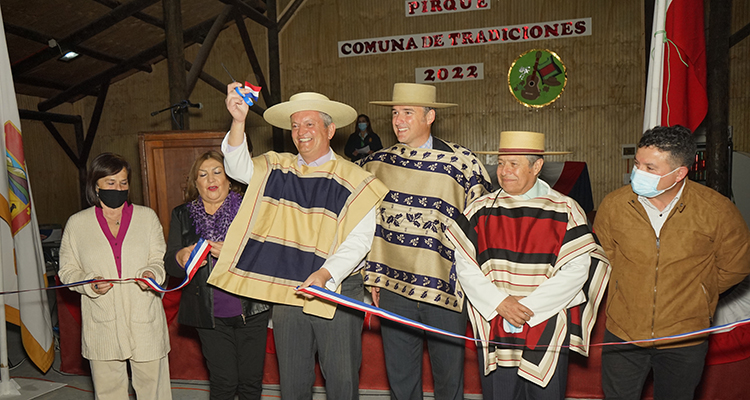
pixel 522 143
pixel 413 94
pixel 279 114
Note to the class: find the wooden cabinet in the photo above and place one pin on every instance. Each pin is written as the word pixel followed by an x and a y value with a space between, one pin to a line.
pixel 166 158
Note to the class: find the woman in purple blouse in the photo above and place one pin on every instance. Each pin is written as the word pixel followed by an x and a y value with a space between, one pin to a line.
pixel 232 329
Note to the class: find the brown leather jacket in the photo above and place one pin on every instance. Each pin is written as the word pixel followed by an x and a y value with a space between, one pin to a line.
pixel 670 285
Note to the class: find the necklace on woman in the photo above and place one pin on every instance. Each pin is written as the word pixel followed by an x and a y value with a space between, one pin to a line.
pixel 111 220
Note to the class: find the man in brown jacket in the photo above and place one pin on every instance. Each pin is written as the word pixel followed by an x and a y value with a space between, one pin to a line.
pixel 674 246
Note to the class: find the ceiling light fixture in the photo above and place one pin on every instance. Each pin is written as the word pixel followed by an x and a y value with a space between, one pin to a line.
pixel 68 56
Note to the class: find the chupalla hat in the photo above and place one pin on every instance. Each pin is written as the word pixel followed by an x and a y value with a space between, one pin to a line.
pixel 413 94
pixel 522 143
pixel 279 114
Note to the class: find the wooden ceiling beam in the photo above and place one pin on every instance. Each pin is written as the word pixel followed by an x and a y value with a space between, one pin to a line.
pixel 289 13
pixel 139 15
pixel 38 82
pixel 205 50
pixel 258 5
pixel 251 13
pixel 49 117
pixel 739 35
pixel 145 56
pixel 83 50
pixel 222 87
pixel 96 116
pixel 253 59
pixel 87 32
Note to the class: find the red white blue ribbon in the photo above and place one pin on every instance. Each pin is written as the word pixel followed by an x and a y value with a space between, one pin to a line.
pixel 370 309
pixel 199 253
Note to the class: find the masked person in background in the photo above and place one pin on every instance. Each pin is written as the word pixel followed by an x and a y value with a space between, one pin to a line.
pixel 363 140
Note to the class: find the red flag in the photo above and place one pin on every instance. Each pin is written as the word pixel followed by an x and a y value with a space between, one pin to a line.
pixel 685 101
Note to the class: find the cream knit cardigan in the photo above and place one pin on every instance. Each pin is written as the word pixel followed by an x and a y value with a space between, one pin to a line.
pixel 126 322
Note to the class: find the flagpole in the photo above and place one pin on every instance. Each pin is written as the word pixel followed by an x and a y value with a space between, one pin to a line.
pixel 21 259
pixel 655 81
pixel 8 387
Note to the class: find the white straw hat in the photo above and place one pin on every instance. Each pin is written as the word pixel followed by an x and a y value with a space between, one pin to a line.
pixel 413 94
pixel 279 114
pixel 522 143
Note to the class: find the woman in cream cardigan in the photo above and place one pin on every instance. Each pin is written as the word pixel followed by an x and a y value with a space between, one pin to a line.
pixel 121 322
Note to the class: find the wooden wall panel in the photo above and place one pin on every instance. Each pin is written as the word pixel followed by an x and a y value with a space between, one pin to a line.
pixel 739 64
pixel 52 175
pixel 601 107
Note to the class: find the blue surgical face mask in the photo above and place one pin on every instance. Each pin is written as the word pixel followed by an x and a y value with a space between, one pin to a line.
pixel 362 126
pixel 645 184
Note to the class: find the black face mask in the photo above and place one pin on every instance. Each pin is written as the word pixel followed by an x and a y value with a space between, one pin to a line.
pixel 113 198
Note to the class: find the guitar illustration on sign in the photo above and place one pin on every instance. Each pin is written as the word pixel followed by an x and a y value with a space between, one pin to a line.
pixel 537 78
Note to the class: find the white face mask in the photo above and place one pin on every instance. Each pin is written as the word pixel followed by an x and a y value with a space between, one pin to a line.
pixel 645 183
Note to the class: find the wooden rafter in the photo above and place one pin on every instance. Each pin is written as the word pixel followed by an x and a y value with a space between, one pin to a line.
pixel 96 116
pixel 205 50
pixel 252 13
pixel 149 54
pixel 87 32
pixel 739 35
pixel 274 71
pixel 139 15
pixel 289 13
pixel 222 87
pixel 44 39
pixel 253 58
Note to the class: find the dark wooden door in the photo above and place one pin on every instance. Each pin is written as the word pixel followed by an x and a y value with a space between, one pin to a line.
pixel 166 158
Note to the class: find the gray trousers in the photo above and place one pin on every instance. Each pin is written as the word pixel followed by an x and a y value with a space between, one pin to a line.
pixel 403 347
pixel 337 341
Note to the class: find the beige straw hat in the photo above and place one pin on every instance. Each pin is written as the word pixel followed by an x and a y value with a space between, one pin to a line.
pixel 279 114
pixel 522 143
pixel 413 94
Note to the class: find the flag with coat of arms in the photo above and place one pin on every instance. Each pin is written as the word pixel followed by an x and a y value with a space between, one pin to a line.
pixel 21 259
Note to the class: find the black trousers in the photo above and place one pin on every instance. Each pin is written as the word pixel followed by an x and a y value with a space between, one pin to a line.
pixel 505 384
pixel 677 371
pixel 235 352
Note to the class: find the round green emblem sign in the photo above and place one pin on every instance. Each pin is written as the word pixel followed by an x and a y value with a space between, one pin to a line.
pixel 537 78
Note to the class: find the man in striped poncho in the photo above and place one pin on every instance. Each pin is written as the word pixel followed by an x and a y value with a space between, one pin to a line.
pixel 306 219
pixel 533 273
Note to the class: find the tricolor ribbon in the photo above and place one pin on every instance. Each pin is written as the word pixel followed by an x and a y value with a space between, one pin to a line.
pixel 199 253
pixel 370 309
